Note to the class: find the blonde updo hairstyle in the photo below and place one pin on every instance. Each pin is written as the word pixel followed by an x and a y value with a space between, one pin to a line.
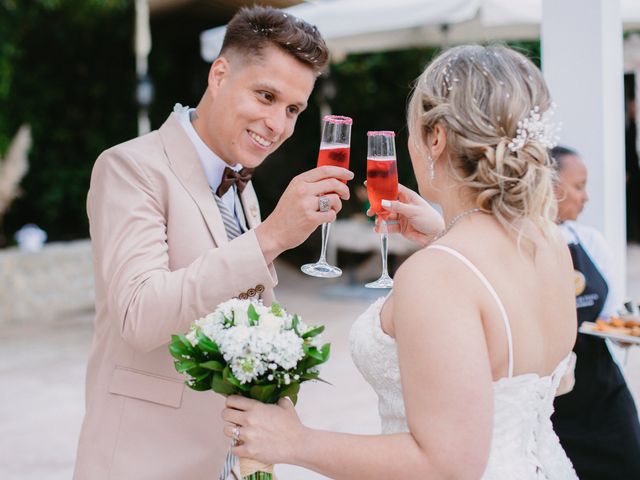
pixel 478 95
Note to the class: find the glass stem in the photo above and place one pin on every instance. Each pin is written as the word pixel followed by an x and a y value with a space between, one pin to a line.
pixel 326 228
pixel 384 246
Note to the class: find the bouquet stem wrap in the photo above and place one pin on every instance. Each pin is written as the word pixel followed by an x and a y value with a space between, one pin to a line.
pixel 253 470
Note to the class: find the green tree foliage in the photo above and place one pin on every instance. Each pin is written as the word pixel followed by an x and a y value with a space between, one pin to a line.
pixel 67 69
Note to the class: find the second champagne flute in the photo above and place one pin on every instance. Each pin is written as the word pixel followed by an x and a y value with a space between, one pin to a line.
pixel 382 184
pixel 334 150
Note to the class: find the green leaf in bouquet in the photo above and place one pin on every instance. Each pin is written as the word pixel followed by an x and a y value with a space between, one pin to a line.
pixel 290 391
pixel 212 365
pixel 200 374
pixel 312 332
pixel 177 352
pixel 295 321
pixel 316 354
pixel 325 351
pixel 253 315
pixel 276 309
pixel 230 378
pixel 228 322
pixel 221 386
pixel 184 365
pixel 180 347
pixel 206 344
pixel 200 386
pixel 311 361
pixel 264 393
pixel 313 376
pixel 309 376
pixel 316 357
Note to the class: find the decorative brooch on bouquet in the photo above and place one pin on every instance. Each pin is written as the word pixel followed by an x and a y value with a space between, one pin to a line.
pixel 246 348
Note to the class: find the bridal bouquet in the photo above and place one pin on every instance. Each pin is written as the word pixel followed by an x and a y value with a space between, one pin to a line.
pixel 246 348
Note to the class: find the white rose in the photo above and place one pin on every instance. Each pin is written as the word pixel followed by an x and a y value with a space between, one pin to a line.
pixel 271 322
pixel 261 309
pixel 210 320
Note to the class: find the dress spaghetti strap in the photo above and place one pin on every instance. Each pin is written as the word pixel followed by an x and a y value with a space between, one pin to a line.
pixel 483 279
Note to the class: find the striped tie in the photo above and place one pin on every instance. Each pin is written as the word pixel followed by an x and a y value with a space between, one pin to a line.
pixel 229 219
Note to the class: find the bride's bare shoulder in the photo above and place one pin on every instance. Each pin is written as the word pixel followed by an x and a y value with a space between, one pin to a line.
pixel 427 265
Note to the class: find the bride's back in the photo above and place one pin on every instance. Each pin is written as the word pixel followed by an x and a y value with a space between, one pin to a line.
pixel 480 128
pixel 533 279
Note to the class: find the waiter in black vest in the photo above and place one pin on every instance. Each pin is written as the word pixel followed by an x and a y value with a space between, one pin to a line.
pixel 597 421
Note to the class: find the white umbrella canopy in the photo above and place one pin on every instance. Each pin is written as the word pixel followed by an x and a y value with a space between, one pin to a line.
pixel 365 25
pixel 358 26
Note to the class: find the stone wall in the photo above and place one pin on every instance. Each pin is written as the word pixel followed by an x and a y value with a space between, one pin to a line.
pixel 46 285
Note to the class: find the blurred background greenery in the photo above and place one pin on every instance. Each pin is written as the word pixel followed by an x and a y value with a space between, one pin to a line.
pixel 67 68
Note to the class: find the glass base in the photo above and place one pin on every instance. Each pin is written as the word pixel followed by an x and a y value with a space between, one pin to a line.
pixel 321 269
pixel 385 281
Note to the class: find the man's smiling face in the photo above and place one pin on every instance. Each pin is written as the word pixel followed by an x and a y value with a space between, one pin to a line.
pixel 256 102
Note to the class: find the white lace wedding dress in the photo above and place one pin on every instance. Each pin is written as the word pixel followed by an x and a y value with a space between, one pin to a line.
pixel 524 445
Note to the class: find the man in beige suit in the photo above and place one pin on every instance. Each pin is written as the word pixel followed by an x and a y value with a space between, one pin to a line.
pixel 175 229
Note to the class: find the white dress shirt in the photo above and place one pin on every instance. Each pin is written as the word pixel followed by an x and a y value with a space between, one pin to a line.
pixel 212 164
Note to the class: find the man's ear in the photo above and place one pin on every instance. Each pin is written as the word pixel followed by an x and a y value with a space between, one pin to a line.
pixel 219 70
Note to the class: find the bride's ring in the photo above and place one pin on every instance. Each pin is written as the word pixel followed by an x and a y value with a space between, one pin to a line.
pixel 324 204
pixel 235 435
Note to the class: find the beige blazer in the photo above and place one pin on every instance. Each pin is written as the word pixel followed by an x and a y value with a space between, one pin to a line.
pixel 161 260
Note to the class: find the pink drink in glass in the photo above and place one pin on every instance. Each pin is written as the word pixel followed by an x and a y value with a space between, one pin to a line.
pixel 382 183
pixel 336 155
pixel 334 151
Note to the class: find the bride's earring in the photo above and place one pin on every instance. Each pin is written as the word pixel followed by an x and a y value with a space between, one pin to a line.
pixel 432 168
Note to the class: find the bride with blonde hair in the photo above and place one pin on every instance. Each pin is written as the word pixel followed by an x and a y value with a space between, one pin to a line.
pixel 467 352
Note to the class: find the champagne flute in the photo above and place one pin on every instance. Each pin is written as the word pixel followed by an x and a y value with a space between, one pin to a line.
pixel 334 150
pixel 382 184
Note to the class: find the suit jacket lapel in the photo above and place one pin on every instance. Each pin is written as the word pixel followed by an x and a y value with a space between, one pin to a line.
pixel 184 162
pixel 250 206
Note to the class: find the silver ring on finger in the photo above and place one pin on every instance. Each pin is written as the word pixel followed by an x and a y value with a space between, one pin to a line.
pixel 324 204
pixel 235 435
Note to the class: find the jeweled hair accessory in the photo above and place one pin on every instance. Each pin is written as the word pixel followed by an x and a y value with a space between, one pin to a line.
pixel 538 127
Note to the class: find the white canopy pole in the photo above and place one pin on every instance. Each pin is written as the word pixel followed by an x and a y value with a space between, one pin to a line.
pixel 582 63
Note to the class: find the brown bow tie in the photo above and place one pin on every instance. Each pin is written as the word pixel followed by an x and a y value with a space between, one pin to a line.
pixel 231 177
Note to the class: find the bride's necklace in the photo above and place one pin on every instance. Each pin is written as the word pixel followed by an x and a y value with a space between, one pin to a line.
pixel 455 220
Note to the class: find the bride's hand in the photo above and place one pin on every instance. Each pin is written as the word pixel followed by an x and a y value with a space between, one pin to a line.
pixel 416 219
pixel 267 433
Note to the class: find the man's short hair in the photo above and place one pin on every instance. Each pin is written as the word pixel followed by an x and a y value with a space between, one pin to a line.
pixel 252 29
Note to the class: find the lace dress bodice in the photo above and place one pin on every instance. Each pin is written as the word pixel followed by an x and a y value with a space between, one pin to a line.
pixel 524 445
